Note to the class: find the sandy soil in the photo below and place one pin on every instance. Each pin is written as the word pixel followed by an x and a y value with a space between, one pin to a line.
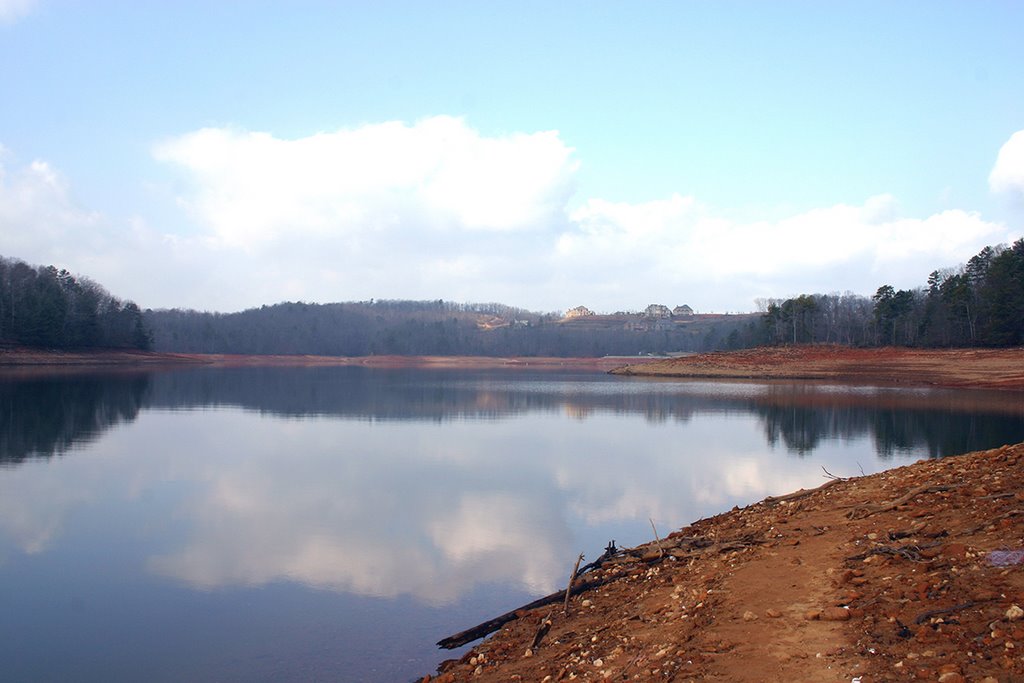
pixel 888 577
pixel 988 368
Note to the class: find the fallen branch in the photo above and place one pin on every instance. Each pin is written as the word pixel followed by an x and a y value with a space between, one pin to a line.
pixel 491 625
pixel 829 475
pixel 545 626
pixel 610 551
pixel 925 616
pixel 908 552
pixel 661 551
pixel 568 589
pixel 772 500
pixel 867 511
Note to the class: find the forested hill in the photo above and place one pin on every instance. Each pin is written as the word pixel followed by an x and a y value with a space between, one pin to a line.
pixel 433 328
pixel 977 304
pixel 44 307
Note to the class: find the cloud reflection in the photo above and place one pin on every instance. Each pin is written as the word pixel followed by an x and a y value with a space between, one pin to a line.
pixel 252 487
pixel 510 501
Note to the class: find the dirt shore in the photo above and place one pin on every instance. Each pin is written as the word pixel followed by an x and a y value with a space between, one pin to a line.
pixel 911 574
pixel 37 358
pixel 980 368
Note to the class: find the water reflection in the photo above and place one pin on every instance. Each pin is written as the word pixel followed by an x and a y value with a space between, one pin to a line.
pixel 350 508
pixel 420 486
pixel 44 416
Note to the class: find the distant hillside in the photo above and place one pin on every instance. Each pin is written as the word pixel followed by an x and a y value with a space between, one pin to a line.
pixel 48 308
pixel 437 328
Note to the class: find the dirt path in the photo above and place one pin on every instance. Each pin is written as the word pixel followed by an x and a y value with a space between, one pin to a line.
pixel 981 368
pixel 881 578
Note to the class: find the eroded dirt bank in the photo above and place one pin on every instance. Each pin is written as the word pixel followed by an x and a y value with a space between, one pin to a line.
pixel 982 368
pixel 910 574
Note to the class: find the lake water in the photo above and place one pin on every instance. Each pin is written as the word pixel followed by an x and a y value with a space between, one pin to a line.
pixel 274 524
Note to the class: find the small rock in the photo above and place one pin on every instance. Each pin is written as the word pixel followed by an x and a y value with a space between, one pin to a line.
pixel 835 614
pixel 983 595
pixel 952 677
pixel 749 616
pixel 954 550
pixel 772 613
pixel 1014 613
pixel 586 603
pixel 599 662
pixel 812 614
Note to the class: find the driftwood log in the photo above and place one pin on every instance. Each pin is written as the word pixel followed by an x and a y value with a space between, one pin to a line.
pixel 491 625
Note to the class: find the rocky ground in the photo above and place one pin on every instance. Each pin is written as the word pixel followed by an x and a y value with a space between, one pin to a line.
pixel 987 368
pixel 911 574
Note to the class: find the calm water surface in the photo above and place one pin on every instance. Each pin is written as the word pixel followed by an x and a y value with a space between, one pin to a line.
pixel 333 523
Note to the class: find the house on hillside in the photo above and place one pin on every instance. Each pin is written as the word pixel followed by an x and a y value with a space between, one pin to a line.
pixel 579 312
pixel 683 311
pixel 657 311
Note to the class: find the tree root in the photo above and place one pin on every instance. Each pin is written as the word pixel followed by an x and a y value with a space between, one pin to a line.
pixel 868 510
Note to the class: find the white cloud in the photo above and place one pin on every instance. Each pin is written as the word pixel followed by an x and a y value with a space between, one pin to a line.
pixel 36 212
pixel 12 10
pixel 437 209
pixel 678 245
pixel 1008 173
pixel 438 174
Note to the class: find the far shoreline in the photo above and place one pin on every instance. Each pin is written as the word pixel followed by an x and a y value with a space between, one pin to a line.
pixel 24 358
pixel 960 368
pixel 968 368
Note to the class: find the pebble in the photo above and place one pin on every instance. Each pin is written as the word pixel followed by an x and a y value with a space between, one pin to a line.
pixel 749 616
pixel 952 677
pixel 1014 613
pixel 772 613
pixel 835 614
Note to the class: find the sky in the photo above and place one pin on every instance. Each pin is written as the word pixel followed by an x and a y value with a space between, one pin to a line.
pixel 224 155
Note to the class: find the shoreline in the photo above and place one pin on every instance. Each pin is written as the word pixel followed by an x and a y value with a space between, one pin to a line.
pixel 915 573
pixel 973 368
pixel 40 358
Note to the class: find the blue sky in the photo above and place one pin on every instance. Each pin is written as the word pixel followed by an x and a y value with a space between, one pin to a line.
pixel 224 155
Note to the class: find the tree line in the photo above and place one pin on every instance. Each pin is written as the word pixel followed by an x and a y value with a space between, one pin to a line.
pixel 417 328
pixel 980 303
pixel 41 306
